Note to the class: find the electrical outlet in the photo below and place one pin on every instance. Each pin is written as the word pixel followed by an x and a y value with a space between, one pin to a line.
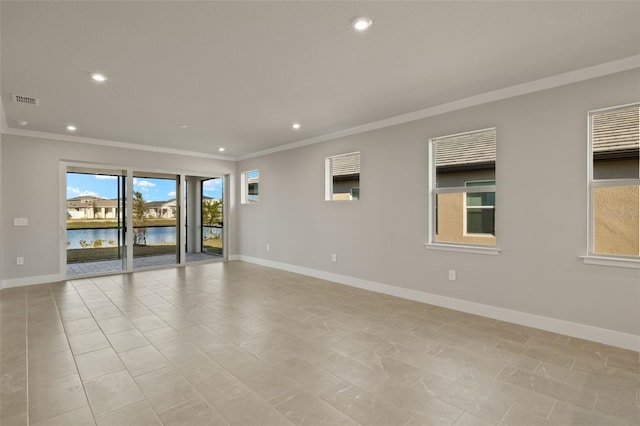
pixel 20 260
pixel 452 274
pixel 268 247
pixel 334 257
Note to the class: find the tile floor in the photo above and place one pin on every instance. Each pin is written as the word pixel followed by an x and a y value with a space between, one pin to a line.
pixel 239 344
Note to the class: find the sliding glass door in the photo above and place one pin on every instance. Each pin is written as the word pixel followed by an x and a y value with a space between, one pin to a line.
pixel 124 220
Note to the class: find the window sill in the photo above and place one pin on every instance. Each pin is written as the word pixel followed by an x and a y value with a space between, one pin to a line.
pixel 492 251
pixel 619 262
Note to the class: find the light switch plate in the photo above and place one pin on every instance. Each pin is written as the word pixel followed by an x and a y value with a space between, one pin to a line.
pixel 20 221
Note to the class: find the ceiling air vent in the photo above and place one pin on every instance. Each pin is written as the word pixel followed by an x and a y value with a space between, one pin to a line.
pixel 19 99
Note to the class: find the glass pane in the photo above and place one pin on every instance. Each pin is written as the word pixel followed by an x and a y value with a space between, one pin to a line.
pixel 480 221
pixel 155 213
pixel 450 221
pixel 465 159
pixel 345 175
pixel 616 220
pixel 482 199
pixel 95 222
pixel 212 220
pixel 204 225
pixel 616 151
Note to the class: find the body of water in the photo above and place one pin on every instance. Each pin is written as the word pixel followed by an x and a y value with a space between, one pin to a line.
pixel 155 235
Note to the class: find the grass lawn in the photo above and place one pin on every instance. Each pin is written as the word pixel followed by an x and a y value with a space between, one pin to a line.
pixel 213 245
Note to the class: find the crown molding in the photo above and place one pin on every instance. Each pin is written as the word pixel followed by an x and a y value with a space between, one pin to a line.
pixel 558 80
pixel 113 144
pixel 601 70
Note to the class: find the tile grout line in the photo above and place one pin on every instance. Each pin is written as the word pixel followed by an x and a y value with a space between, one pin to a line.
pixel 84 390
pixel 114 351
pixel 155 413
pixel 553 406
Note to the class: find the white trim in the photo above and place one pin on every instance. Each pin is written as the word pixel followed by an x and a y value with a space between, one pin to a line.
pixel 234 257
pixel 3 119
pixel 607 183
pixel 619 262
pixel 493 251
pixel 558 80
pixel 328 180
pixel 582 331
pixel 113 144
pixel 40 279
pixel 465 190
pixel 181 217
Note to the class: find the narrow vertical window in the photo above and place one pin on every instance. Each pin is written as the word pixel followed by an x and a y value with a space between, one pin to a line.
pixel 342 177
pixel 614 182
pixel 463 188
pixel 250 187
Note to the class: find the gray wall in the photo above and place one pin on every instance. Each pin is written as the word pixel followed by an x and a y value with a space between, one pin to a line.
pixel 541 210
pixel 31 188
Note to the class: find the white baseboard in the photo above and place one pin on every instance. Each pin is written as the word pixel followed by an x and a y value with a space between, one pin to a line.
pixel 40 279
pixel 233 257
pixel 582 331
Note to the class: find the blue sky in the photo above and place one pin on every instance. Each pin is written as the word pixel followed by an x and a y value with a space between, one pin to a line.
pixel 152 189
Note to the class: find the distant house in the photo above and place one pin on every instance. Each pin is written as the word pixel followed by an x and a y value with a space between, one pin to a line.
pixel 161 209
pixel 90 207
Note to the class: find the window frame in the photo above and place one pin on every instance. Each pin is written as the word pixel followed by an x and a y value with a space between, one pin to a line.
pixel 244 184
pixel 466 209
pixel 433 193
pixel 593 257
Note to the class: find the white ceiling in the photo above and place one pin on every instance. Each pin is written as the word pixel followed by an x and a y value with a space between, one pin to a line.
pixel 240 73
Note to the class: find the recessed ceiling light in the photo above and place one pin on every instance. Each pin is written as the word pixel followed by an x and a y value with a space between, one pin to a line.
pixel 98 77
pixel 361 24
pixel 71 128
pixel 296 126
pixel 184 126
pixel 221 149
pixel 22 122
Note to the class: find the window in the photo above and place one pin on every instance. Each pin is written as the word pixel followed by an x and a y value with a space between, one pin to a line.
pixel 463 189
pixel 614 182
pixel 342 177
pixel 250 182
